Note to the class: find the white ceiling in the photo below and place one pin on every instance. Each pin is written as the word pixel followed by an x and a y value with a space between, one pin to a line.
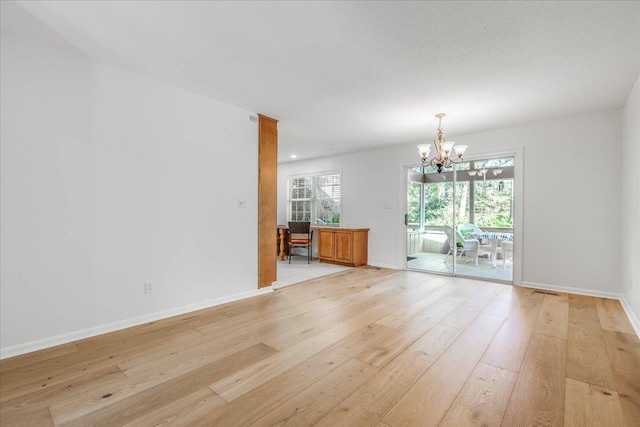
pixel 345 76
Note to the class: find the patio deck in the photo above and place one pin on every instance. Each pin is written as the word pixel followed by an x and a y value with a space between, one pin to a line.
pixel 435 262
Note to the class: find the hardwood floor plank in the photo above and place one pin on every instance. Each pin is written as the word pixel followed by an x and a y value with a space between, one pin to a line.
pixel 624 354
pixel 15 411
pixel 182 412
pixel 143 401
pixel 510 344
pixel 150 331
pixel 347 286
pixel 463 315
pixel 430 397
pixel 538 395
pixel 398 317
pixel 504 302
pixel 270 315
pixel 253 405
pixel 587 358
pixel 612 316
pixel 89 397
pixel 36 357
pixel 467 288
pixel 239 333
pixel 291 296
pixel 305 292
pixel 364 347
pixel 175 360
pixel 307 407
pixel 408 332
pixel 39 416
pixel 298 330
pixel 368 404
pixel 553 318
pixel 589 405
pixel 53 372
pixel 483 399
pixel 533 293
pixel 582 299
pixel 249 378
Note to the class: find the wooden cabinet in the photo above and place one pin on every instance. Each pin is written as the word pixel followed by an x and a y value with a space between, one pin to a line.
pixel 345 246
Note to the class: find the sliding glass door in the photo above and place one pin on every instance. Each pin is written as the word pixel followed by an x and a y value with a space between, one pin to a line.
pixel 430 221
pixel 462 223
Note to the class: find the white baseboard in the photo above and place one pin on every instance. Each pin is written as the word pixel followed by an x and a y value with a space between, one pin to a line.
pixel 578 291
pixel 631 315
pixel 591 293
pixel 41 344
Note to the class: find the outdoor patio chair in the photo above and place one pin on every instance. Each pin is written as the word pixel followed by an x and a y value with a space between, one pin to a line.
pixel 464 245
pixel 468 227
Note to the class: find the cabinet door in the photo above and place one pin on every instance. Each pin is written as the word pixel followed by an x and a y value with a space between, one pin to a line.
pixel 326 246
pixel 344 246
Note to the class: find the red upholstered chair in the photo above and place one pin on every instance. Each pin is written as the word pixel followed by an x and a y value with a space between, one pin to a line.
pixel 300 236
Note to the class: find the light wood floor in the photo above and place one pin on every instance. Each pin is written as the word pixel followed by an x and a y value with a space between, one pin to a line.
pixel 366 347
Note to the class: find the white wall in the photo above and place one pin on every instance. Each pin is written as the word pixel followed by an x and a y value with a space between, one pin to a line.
pixel 110 180
pixel 571 202
pixel 630 236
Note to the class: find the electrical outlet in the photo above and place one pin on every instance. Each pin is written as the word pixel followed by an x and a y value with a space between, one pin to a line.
pixel 148 288
pixel 242 203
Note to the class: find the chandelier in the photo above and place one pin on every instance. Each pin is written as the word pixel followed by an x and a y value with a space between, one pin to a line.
pixel 443 150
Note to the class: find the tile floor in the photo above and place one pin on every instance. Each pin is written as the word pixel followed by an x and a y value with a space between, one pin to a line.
pixel 299 271
pixel 434 262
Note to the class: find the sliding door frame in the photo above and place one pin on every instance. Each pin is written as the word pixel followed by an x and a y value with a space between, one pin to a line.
pixel 518 215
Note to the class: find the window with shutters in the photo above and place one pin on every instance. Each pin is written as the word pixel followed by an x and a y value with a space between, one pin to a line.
pixel 315 198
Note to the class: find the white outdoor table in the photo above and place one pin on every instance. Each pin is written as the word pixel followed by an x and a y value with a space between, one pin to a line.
pixel 494 237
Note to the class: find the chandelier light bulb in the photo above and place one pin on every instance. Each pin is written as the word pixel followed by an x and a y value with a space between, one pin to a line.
pixel 460 149
pixel 424 150
pixel 446 147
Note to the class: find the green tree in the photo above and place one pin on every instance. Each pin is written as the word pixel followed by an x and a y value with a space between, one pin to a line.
pixel 494 203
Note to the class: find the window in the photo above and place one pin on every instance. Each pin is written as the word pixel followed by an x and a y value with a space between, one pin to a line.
pixel 484 195
pixel 315 199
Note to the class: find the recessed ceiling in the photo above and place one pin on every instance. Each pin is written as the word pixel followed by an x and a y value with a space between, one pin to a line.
pixel 346 76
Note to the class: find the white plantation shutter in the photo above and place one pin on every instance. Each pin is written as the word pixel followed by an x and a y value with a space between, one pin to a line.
pixel 300 198
pixel 315 198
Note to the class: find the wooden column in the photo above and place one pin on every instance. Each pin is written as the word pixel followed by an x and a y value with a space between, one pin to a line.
pixel 267 200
